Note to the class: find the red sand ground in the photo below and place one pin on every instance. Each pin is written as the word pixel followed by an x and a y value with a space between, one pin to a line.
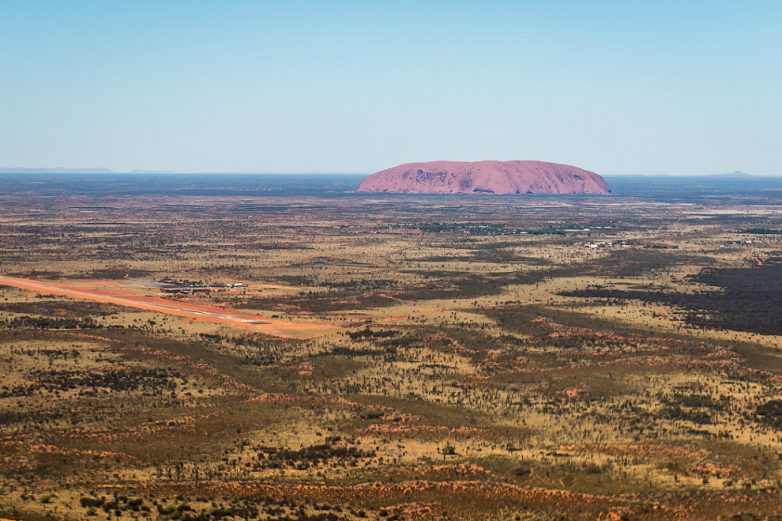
pixel 270 326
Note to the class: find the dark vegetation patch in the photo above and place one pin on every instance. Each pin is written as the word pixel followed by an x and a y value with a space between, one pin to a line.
pixel 368 334
pixel 459 285
pixel 696 401
pixel 492 229
pixel 313 455
pixel 27 322
pixel 361 285
pixel 750 300
pixel 770 413
pixel 676 412
pixel 207 507
pixel 588 330
pixel 62 308
pixel 630 262
pixel 465 228
pixel 157 380
pixel 762 231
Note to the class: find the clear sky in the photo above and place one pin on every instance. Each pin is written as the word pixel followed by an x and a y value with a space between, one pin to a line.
pixel 665 86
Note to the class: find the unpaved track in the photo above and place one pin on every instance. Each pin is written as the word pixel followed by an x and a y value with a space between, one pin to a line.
pixel 276 327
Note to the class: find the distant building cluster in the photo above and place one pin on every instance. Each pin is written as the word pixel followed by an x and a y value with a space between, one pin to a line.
pixel 606 244
pixel 188 287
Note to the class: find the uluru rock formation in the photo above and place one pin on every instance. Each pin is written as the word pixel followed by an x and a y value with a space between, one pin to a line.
pixel 493 177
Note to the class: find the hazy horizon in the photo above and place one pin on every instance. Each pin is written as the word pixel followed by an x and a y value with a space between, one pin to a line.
pixel 614 87
pixel 103 170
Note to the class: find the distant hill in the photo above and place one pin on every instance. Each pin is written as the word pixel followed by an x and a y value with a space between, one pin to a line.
pixel 59 170
pixel 737 174
pixel 489 177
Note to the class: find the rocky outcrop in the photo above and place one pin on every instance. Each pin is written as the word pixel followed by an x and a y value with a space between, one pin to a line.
pixel 491 177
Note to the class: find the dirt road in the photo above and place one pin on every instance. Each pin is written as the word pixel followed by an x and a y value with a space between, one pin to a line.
pixel 276 327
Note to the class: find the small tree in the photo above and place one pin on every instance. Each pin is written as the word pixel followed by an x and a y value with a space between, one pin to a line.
pixel 448 450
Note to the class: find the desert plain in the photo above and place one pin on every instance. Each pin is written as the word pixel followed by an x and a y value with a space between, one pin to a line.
pixel 345 357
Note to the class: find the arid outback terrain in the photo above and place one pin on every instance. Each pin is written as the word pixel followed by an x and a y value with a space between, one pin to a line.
pixel 347 356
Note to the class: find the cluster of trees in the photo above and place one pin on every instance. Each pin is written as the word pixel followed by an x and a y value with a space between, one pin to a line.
pixel 28 322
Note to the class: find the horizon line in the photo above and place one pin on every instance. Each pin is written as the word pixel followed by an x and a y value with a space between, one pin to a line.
pixel 104 170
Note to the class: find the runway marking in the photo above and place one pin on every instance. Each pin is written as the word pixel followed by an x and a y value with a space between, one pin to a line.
pixel 275 327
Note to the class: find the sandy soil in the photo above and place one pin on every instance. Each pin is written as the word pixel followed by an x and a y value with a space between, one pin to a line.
pixel 271 326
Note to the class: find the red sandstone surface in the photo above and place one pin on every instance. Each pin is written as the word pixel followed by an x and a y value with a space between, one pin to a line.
pixel 493 177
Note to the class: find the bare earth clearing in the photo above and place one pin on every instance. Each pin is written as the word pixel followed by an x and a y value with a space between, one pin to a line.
pixel 229 317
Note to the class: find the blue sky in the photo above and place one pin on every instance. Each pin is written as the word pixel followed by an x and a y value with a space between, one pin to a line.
pixel 355 86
